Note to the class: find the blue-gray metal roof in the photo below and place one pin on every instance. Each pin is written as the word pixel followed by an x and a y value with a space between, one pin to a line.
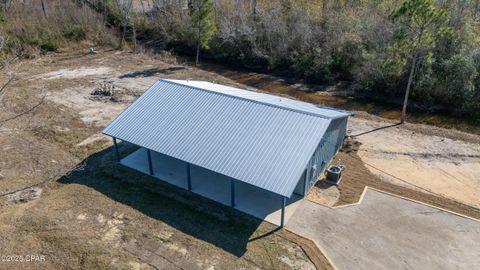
pixel 266 98
pixel 262 140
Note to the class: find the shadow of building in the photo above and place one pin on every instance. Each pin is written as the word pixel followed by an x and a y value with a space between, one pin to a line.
pixel 187 212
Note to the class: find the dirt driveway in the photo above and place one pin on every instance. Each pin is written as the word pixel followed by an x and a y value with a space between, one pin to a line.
pixel 428 162
pixel 387 232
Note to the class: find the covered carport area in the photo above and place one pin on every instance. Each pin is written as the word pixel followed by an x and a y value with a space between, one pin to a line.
pixel 244 197
pixel 255 152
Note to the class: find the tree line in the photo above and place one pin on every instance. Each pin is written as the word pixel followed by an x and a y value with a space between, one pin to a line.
pixel 428 49
pixel 384 49
pixel 31 27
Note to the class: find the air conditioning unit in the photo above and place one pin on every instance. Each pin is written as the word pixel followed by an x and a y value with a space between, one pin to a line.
pixel 334 174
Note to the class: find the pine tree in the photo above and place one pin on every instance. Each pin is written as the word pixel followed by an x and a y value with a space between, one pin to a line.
pixel 419 25
pixel 202 16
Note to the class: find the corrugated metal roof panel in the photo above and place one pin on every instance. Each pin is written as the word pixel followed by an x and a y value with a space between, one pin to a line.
pixel 266 98
pixel 267 146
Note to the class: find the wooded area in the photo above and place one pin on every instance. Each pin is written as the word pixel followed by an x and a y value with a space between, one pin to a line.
pixel 430 47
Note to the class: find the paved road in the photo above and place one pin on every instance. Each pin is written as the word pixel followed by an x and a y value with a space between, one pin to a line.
pixel 387 232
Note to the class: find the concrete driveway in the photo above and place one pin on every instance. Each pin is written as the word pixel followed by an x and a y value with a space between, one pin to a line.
pixel 388 232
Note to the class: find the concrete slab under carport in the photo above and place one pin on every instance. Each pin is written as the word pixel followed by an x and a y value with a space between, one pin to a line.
pixel 170 170
pixel 389 232
pixel 248 199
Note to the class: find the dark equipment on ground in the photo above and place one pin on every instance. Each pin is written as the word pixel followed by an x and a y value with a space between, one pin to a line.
pixel 334 174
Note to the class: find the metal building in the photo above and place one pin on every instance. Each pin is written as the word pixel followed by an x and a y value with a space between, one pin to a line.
pixel 253 151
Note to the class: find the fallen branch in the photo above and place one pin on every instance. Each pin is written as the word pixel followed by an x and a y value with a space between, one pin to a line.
pixel 2 121
pixel 79 167
pixel 4 86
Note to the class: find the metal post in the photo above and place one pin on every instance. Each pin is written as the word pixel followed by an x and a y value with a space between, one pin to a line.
pixel 305 183
pixel 282 221
pixel 232 193
pixel 150 165
pixel 307 176
pixel 189 177
pixel 116 149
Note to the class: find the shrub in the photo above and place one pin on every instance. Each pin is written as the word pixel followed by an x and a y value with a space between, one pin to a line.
pixel 456 81
pixel 67 23
pixel 346 59
pixel 49 46
pixel 425 82
pixel 74 32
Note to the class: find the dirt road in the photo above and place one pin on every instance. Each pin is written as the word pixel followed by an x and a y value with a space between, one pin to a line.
pixel 403 155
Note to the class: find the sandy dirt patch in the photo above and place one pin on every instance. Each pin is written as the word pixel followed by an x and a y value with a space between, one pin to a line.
pixel 441 165
pixel 297 264
pixel 95 110
pixel 24 196
pixel 92 111
pixel 72 73
pixel 94 138
pixel 323 193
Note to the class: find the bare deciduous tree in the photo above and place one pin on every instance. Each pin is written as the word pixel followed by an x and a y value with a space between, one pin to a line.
pixel 126 7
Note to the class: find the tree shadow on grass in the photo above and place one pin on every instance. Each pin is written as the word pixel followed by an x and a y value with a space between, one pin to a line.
pixel 197 216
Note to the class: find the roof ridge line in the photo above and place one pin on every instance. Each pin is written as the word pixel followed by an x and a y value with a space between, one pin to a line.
pixel 326 107
pixel 251 100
